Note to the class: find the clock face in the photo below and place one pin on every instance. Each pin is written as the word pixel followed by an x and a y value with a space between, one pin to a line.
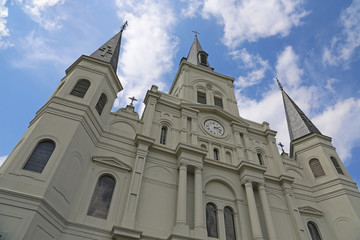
pixel 214 127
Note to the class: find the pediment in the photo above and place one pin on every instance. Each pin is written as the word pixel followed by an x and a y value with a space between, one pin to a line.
pixel 112 161
pixel 217 111
pixel 310 211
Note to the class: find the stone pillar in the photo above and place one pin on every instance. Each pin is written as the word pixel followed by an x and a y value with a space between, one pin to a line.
pixel 194 137
pixel 248 149
pixel 199 205
pixel 221 221
pixel 254 217
pixel 267 213
pixel 183 131
pixel 181 227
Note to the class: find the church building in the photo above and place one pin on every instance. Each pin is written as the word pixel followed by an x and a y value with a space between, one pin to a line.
pixel 189 168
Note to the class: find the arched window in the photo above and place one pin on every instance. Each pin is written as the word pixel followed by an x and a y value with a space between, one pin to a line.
pixel 216 154
pixel 201 97
pixel 203 58
pixel 80 88
pixel 229 223
pixel 101 103
pixel 163 135
pixel 314 233
pixel 336 165
pixel 211 220
pixel 101 198
pixel 218 101
pixel 316 168
pixel 260 158
pixel 40 156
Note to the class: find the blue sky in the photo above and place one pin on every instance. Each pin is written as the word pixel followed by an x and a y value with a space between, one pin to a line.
pixel 311 46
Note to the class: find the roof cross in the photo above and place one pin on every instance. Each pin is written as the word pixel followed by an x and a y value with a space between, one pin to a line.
pixel 196 32
pixel 124 26
pixel 132 100
pixel 279 83
pixel 282 146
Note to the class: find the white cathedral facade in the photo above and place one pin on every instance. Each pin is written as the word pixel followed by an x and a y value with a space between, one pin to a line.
pixel 189 168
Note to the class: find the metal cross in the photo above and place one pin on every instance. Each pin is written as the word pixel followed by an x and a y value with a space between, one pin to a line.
pixel 132 100
pixel 280 86
pixel 282 146
pixel 196 32
pixel 124 26
pixel 106 50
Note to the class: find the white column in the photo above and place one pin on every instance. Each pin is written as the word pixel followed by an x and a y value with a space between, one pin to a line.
pixel 221 221
pixel 267 213
pixel 199 205
pixel 254 217
pixel 181 227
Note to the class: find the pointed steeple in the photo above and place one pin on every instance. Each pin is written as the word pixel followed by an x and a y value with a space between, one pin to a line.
pixel 298 123
pixel 109 52
pixel 197 55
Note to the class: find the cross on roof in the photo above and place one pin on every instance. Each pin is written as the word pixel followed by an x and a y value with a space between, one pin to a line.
pixel 124 26
pixel 282 146
pixel 132 100
pixel 279 83
pixel 196 32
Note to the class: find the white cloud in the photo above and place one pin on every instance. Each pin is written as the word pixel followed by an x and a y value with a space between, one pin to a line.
pixel 342 123
pixel 342 47
pixel 2 159
pixel 44 12
pixel 249 20
pixel 191 8
pixel 148 47
pixel 287 68
pixel 4 31
pixel 254 63
pixel 36 49
pixel 329 84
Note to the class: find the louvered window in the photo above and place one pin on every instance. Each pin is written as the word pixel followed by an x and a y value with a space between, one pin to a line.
pixel 201 97
pixel 337 166
pixel 260 158
pixel 211 220
pixel 163 135
pixel 40 156
pixel 216 154
pixel 218 102
pixel 101 103
pixel 101 198
pixel 316 168
pixel 80 88
pixel 203 59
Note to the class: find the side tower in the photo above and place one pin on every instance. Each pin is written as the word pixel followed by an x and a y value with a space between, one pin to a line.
pixel 40 180
pixel 335 193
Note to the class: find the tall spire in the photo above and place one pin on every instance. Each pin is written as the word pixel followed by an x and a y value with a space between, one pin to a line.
pixel 298 123
pixel 197 55
pixel 109 52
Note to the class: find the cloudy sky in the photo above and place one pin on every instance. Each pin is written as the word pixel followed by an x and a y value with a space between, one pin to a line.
pixel 311 46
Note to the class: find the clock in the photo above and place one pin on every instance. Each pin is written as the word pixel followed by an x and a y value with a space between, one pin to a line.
pixel 214 127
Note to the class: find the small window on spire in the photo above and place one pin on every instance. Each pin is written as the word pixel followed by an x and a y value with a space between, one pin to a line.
pixel 203 58
pixel 80 88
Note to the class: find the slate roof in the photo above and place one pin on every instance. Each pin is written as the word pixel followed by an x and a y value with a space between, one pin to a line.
pixel 194 53
pixel 298 123
pixel 109 52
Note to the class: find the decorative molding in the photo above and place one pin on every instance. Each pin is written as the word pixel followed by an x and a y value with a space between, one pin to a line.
pixel 112 161
pixel 307 210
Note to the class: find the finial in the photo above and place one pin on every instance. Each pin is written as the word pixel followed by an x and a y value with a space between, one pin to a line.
pixel 124 26
pixel 132 100
pixel 196 33
pixel 280 86
pixel 282 146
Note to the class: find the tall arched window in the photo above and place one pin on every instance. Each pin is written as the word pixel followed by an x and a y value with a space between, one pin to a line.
pixel 316 168
pixel 211 220
pixel 101 198
pixel 314 233
pixel 163 135
pixel 260 158
pixel 40 156
pixel 218 101
pixel 216 154
pixel 229 223
pixel 80 88
pixel 101 103
pixel 336 165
